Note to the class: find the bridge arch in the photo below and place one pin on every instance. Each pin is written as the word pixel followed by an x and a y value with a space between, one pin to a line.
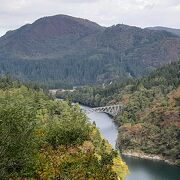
pixel 112 110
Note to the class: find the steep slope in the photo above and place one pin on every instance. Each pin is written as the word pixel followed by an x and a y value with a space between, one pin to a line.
pixel 149 125
pixel 41 138
pixel 171 30
pixel 140 47
pixel 67 49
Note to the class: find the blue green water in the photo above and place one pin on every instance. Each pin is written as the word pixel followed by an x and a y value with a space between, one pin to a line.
pixel 140 169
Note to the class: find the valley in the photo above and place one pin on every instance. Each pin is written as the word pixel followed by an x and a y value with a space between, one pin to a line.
pixel 84 101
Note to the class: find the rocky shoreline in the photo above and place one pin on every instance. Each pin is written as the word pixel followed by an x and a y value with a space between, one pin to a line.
pixel 142 155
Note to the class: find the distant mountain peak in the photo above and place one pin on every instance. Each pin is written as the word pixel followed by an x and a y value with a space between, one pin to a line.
pixel 61 18
pixel 56 26
pixel 67 48
pixel 161 28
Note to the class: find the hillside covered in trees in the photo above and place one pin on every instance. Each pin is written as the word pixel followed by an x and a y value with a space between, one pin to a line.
pixel 171 30
pixel 62 49
pixel 41 138
pixel 150 121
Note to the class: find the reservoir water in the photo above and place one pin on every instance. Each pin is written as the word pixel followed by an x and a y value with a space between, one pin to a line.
pixel 140 169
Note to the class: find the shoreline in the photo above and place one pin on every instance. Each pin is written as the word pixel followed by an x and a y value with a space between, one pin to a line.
pixel 142 155
pixel 139 154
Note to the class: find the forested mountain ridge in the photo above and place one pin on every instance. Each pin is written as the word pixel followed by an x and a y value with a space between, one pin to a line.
pixel 41 138
pixel 46 36
pixel 171 30
pixel 150 121
pixel 67 49
pixel 167 77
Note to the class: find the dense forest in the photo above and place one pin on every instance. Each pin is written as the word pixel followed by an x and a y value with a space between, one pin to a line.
pixel 166 77
pixel 150 121
pixel 41 138
pixel 63 49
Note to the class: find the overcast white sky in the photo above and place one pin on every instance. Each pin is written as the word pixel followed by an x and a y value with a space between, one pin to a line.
pixel 142 13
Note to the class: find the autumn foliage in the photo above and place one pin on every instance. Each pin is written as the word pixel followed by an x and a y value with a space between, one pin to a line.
pixel 41 138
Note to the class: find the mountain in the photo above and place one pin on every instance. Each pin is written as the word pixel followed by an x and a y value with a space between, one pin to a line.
pixel 171 30
pixel 46 36
pixel 66 49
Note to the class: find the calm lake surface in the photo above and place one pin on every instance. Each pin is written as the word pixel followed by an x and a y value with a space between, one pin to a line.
pixel 140 169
